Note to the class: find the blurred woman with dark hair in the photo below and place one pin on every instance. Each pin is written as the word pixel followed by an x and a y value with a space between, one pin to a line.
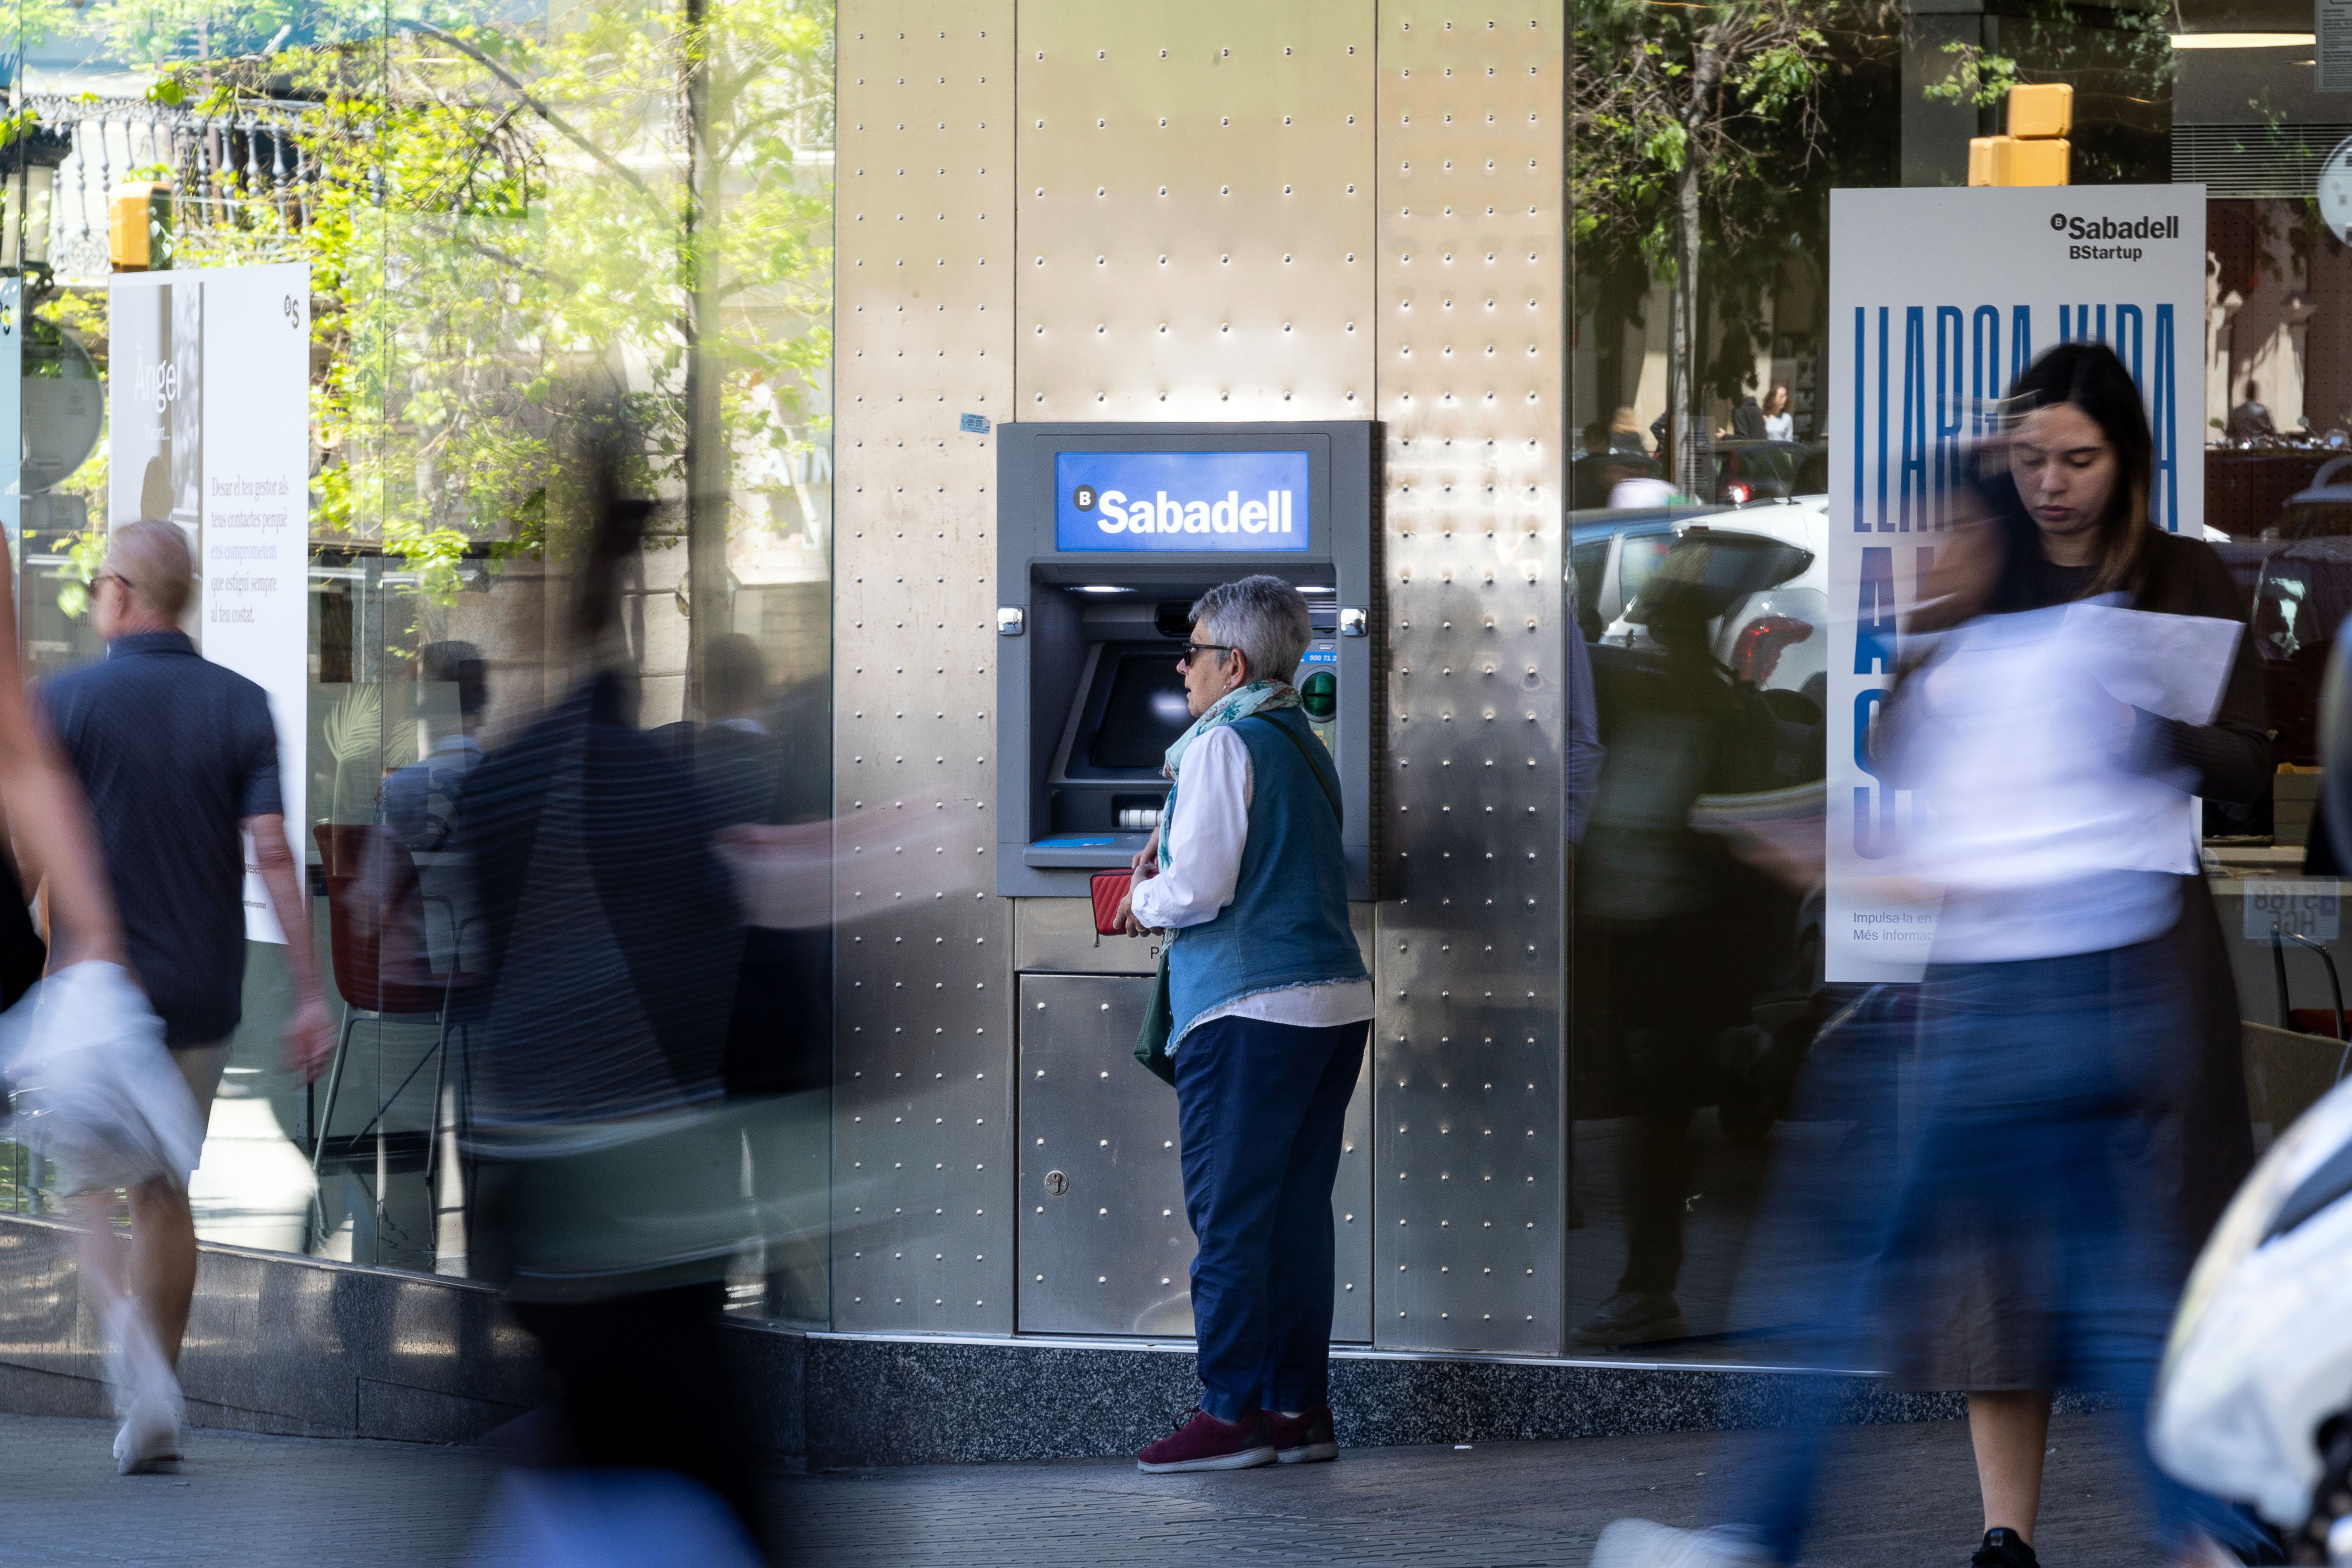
pixel 2085 464
pixel 2084 461
pixel 2081 1115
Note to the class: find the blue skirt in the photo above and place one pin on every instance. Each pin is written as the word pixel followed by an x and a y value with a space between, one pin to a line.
pixel 2036 1238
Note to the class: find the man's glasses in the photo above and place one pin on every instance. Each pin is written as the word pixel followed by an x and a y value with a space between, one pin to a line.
pixel 1195 650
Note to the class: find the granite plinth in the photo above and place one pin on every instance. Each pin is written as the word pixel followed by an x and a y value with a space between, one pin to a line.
pixel 875 1401
pixel 301 1347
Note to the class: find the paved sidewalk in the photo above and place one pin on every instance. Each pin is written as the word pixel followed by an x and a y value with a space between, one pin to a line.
pixel 254 1501
pixel 1900 1496
pixel 1903 1496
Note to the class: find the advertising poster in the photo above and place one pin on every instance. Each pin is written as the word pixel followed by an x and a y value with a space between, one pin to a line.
pixel 1937 299
pixel 219 443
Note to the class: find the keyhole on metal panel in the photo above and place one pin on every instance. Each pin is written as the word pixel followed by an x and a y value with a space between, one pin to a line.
pixel 1056 1184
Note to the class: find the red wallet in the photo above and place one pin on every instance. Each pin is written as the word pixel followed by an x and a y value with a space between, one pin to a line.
pixel 1109 887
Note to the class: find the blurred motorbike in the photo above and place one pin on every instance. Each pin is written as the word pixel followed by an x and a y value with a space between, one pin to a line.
pixel 2254 1400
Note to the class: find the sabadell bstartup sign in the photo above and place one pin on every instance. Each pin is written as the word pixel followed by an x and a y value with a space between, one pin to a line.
pixel 2154 226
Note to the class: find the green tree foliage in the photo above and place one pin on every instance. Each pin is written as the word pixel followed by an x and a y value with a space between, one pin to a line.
pixel 508 226
pixel 1700 136
pixel 2118 58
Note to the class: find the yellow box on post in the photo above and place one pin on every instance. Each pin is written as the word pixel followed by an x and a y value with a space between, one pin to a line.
pixel 138 226
pixel 1980 158
pixel 2042 111
pixel 2020 162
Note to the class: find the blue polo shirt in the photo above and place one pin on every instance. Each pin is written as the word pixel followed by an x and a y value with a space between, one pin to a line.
pixel 173 753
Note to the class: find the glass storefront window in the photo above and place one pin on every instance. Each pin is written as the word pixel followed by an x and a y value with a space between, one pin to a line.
pixel 1701 1002
pixel 511 225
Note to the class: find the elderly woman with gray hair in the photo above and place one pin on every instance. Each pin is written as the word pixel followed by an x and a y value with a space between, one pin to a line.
pixel 1269 1005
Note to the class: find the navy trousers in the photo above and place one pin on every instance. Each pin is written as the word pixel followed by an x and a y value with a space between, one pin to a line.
pixel 1261 1107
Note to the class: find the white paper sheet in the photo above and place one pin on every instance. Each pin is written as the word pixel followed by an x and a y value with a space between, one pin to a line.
pixel 2175 667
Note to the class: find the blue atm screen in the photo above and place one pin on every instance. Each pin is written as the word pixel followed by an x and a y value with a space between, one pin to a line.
pixel 1180 500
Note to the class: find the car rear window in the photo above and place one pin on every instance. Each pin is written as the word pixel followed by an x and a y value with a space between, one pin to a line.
pixel 1643 554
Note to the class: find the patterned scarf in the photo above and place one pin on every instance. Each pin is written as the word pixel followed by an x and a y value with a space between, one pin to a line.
pixel 1257 697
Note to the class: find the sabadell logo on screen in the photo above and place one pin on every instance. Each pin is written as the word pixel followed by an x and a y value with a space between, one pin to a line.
pixel 2111 228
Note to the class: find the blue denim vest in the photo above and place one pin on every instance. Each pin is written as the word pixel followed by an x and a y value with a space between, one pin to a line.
pixel 1288 924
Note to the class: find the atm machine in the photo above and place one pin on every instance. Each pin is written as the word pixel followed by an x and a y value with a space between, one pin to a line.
pixel 1106 535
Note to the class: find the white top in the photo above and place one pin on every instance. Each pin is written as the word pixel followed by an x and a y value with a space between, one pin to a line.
pixel 1206 835
pixel 1640 492
pixel 2028 811
pixel 1779 427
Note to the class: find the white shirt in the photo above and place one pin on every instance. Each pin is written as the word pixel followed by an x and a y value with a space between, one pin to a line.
pixel 1205 835
pixel 2026 812
pixel 1626 494
pixel 1779 427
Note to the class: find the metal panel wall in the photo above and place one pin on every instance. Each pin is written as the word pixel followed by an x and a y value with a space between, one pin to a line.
pixel 1105 1246
pixel 1195 207
pixel 1468 1181
pixel 1196 241
pixel 1058 936
pixel 1209 226
pixel 923 1157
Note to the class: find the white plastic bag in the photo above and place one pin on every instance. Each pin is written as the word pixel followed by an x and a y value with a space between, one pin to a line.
pixel 96 1092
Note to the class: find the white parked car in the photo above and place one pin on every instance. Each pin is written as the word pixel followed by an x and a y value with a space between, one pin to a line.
pixel 1775 635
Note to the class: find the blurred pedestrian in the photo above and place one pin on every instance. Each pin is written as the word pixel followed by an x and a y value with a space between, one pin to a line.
pixel 1779 420
pixel 178 759
pixel 2040 1231
pixel 609 1199
pixel 50 841
pixel 1747 420
pixel 2083 460
pixel 760 761
pixel 1625 434
pixel 1652 892
pixel 1269 1008
pixel 421 801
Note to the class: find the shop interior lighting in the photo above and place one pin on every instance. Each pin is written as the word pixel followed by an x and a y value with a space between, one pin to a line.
pixel 2244 40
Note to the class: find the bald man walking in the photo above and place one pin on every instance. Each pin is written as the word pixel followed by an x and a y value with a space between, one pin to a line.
pixel 176 755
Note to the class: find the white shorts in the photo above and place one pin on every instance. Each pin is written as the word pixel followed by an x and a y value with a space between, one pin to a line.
pixel 202 1066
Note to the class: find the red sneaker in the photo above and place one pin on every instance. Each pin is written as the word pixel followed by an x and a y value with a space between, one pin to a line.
pixel 1304 1439
pixel 1205 1443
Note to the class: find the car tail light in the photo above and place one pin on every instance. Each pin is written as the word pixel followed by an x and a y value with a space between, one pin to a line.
pixel 1737 493
pixel 1755 651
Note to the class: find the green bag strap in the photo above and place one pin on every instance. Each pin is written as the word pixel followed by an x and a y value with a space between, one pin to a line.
pixel 1314 767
